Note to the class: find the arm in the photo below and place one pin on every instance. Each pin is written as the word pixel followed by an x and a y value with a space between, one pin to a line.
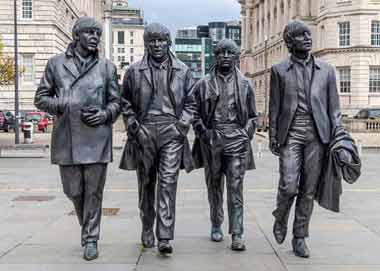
pixel 333 99
pixel 252 114
pixel 129 116
pixel 274 109
pixel 190 106
pixel 45 98
pixel 198 125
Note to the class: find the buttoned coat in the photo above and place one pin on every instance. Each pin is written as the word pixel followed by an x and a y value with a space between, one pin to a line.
pixel 73 142
pixel 207 95
pixel 323 99
pixel 137 95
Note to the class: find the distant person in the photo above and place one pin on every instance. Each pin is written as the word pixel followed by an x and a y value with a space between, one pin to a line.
pixel 158 109
pixel 80 89
pixel 224 129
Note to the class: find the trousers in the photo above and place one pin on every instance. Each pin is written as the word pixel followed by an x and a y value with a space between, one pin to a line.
pixel 160 179
pixel 229 164
pixel 84 185
pixel 301 162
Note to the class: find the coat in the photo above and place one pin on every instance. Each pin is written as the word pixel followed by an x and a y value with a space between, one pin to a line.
pixel 72 141
pixel 137 94
pixel 207 96
pixel 342 161
pixel 283 103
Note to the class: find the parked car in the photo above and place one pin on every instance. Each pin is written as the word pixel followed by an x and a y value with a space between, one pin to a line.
pixel 368 113
pixel 7 121
pixel 38 118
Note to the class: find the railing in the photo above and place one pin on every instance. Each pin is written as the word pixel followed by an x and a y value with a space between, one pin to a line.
pixel 362 126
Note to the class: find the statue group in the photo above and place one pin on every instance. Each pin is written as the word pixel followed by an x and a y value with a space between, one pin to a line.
pixel 159 102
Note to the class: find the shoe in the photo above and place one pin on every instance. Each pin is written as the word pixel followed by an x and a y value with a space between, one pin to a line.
pixel 237 243
pixel 147 238
pixel 164 247
pixel 300 248
pixel 279 231
pixel 216 234
pixel 90 251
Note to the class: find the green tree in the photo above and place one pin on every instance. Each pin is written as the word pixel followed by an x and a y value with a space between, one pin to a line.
pixel 6 67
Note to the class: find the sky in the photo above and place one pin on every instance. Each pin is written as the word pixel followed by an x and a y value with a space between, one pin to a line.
pixel 183 13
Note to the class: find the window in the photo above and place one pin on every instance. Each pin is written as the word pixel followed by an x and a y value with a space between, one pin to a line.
pixel 131 34
pixel 132 59
pixel 344 34
pixel 121 50
pixel 374 79
pixel 120 37
pixel 345 79
pixel 27 9
pixel 131 50
pixel 28 65
pixel 375 33
pixel 131 41
pixel 121 58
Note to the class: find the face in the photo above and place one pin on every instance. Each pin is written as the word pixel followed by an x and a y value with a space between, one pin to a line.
pixel 158 47
pixel 226 58
pixel 89 39
pixel 302 41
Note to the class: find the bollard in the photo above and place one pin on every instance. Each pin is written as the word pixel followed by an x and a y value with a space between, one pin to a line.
pixel 28 132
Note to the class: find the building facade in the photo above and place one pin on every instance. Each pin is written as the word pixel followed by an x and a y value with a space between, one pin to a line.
pixel 346 34
pixel 194 45
pixel 127 35
pixel 44 30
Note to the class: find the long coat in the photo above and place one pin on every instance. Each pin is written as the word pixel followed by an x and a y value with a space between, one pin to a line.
pixel 137 95
pixel 73 142
pixel 324 100
pixel 207 95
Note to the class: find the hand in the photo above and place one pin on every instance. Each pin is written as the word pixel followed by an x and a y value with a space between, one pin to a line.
pixel 94 116
pixel 274 147
pixel 133 128
pixel 62 102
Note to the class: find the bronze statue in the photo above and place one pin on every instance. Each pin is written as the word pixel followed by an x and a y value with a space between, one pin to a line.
pixel 80 89
pixel 304 113
pixel 224 127
pixel 158 109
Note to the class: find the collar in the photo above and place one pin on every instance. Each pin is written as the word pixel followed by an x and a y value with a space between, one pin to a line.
pixel 292 60
pixel 173 61
pixel 160 66
pixel 70 52
pixel 226 78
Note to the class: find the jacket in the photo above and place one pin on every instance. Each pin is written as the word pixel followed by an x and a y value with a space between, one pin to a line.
pixel 73 142
pixel 207 96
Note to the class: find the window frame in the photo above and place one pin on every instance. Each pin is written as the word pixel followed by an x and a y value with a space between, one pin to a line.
pixel 377 80
pixel 344 38
pixel 33 72
pixel 375 36
pixel 345 85
pixel 22 10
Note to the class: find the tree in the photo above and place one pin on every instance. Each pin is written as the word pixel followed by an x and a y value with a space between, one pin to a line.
pixel 6 67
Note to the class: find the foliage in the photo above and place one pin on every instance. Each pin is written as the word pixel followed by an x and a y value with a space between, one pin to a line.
pixel 6 67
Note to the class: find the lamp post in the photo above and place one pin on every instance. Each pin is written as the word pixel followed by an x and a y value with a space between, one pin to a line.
pixel 266 94
pixel 17 132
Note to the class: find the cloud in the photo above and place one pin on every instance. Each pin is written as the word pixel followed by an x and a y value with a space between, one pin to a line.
pixel 181 13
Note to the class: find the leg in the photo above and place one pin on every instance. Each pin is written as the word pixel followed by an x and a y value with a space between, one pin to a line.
pixel 72 181
pixel 94 181
pixel 168 169
pixel 147 192
pixel 313 154
pixel 215 191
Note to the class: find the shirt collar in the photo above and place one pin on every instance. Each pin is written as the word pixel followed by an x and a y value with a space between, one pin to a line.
pixel 161 66
pixel 226 78
pixel 300 61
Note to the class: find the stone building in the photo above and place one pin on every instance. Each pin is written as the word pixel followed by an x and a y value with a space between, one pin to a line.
pixel 127 25
pixel 346 34
pixel 44 30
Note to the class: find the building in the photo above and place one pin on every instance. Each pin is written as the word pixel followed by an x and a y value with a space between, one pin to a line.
pixel 44 30
pixel 194 45
pixel 346 34
pixel 127 35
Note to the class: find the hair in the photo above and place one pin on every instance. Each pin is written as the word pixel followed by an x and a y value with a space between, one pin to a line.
pixel 291 30
pixel 157 29
pixel 226 44
pixel 85 23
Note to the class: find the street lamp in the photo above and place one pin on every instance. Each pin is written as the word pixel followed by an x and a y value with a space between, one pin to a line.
pixel 17 132
pixel 266 93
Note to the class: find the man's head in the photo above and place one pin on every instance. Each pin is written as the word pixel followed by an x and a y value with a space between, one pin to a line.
pixel 86 33
pixel 297 36
pixel 157 41
pixel 226 53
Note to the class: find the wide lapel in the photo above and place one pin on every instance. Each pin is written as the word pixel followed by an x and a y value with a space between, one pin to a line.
pixel 212 95
pixel 240 95
pixel 71 67
pixel 292 86
pixel 145 73
pixel 316 78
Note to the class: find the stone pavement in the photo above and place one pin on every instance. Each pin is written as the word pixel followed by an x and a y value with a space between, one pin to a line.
pixel 41 235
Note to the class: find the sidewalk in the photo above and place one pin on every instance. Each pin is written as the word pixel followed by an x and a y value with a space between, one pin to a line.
pixel 40 236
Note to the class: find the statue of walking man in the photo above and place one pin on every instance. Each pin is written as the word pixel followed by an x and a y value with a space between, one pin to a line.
pixel 224 129
pixel 158 109
pixel 81 90
pixel 304 112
